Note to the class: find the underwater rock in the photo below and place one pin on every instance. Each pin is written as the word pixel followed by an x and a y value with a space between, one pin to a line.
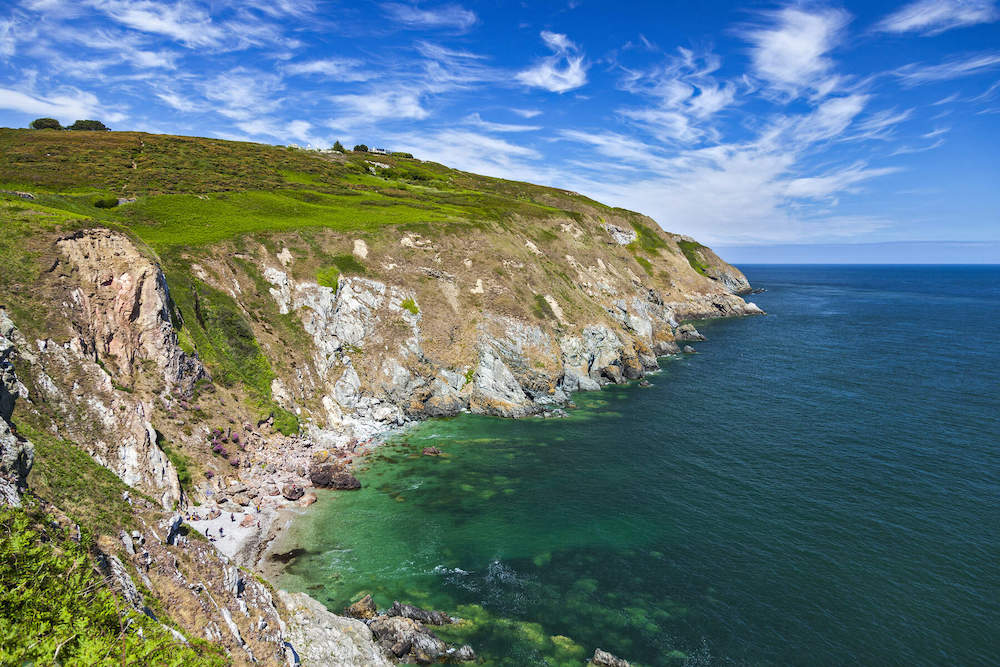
pixel 431 451
pixel 332 476
pixel 605 659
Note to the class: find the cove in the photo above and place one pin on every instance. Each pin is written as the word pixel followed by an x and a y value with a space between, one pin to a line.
pixel 818 486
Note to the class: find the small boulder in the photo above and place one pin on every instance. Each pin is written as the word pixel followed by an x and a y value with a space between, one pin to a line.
pixel 687 332
pixel 273 491
pixel 248 520
pixel 292 491
pixel 332 476
pixel 605 659
pixel 417 614
pixel 431 451
pixel 688 350
pixel 214 514
pixel 364 608
pixel 463 653
pixel 308 500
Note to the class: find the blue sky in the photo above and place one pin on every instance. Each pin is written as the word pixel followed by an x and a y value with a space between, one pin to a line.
pixel 742 124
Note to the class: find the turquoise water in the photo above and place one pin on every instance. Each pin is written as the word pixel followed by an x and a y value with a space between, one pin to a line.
pixel 818 486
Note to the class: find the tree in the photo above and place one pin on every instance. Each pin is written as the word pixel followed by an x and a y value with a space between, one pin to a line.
pixel 92 125
pixel 337 146
pixel 361 148
pixel 45 124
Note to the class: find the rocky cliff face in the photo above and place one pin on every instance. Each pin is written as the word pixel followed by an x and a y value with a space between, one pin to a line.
pixel 16 453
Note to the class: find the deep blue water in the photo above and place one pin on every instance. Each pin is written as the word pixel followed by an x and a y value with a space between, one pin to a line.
pixel 820 486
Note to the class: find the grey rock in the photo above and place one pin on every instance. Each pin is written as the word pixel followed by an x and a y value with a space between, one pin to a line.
pixel 418 614
pixel 323 638
pixel 605 659
pixel 687 349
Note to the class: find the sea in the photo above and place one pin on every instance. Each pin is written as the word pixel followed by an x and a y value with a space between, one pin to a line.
pixel 817 486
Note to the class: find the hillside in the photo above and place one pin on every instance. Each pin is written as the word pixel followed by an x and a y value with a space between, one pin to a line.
pixel 241 320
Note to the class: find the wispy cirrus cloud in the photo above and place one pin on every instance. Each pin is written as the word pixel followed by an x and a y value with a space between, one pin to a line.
pixel 337 69
pixel 477 120
pixel 686 94
pixel 358 110
pixel 790 48
pixel 932 17
pixel 69 103
pixel 916 74
pixel 563 71
pixel 454 17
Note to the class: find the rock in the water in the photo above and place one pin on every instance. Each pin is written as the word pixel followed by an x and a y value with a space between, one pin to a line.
pixel 644 383
pixel 332 476
pixel 407 637
pixel 688 332
pixel 417 614
pixel 292 491
pixel 431 451
pixel 689 350
pixel 308 500
pixel 364 608
pixel 605 659
pixel 463 653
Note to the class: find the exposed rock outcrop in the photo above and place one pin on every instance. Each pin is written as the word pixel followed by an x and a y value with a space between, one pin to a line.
pixel 16 453
pixel 124 309
pixel 323 638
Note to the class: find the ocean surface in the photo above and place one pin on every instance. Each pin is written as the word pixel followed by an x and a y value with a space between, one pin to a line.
pixel 820 486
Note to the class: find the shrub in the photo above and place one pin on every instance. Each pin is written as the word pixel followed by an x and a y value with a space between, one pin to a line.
pixel 337 146
pixel 328 277
pixel 109 201
pixel 45 124
pixel 410 305
pixel 89 125
pixel 361 148
pixel 401 154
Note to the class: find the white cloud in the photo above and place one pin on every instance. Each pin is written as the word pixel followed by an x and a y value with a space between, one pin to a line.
pixel 8 42
pixel 932 17
pixel 182 21
pixel 477 120
pixel 340 69
pixel 881 124
pixel 686 95
pixel 915 74
pixel 790 51
pixel 446 16
pixel 936 132
pixel 243 94
pixel 66 106
pixel 366 109
pixel 527 113
pixel 550 73
pixel 761 190
pixel 475 152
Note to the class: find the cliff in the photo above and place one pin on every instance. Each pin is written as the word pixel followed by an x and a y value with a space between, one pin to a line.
pixel 249 313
